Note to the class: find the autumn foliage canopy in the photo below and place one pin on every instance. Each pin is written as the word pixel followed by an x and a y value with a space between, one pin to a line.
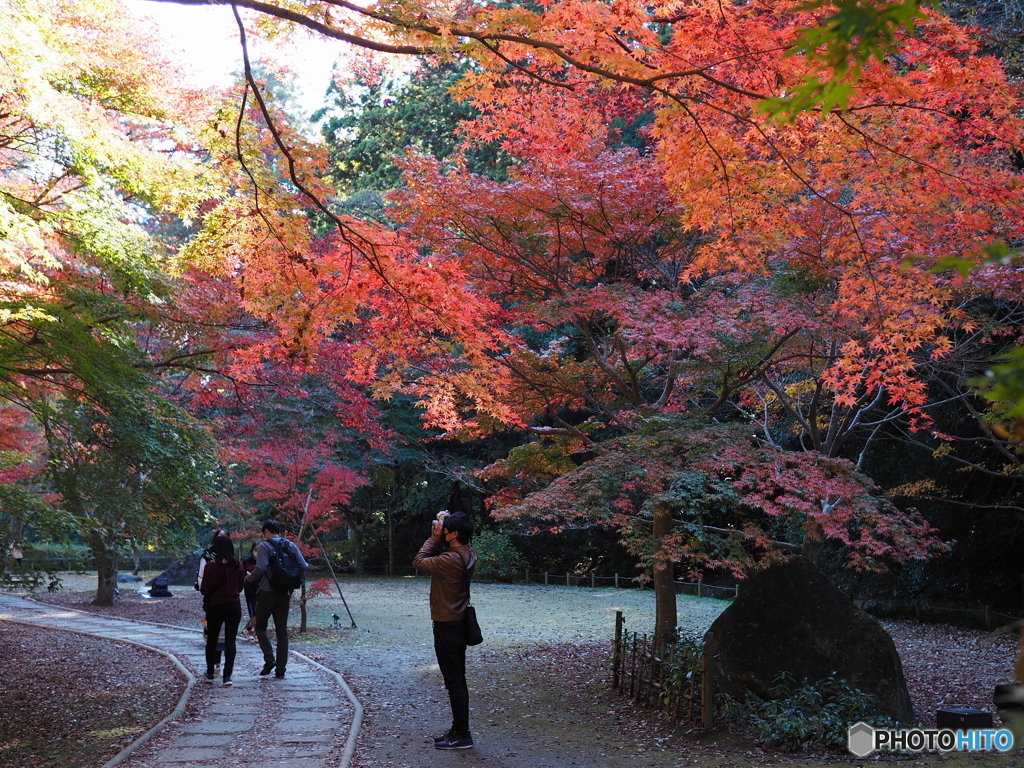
pixel 684 293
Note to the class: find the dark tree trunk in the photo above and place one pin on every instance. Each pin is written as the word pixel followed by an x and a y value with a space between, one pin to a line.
pixel 105 557
pixel 814 534
pixel 666 619
pixel 356 531
pixel 391 541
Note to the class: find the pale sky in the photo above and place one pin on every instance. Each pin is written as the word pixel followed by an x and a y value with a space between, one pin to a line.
pixel 206 40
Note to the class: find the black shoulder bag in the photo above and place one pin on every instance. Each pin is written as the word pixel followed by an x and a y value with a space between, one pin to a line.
pixel 473 634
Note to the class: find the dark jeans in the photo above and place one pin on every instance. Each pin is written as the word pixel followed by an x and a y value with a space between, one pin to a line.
pixel 228 615
pixel 450 647
pixel 273 604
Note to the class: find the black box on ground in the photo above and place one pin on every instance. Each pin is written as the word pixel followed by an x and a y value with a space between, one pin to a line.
pixel 1009 696
pixel 962 719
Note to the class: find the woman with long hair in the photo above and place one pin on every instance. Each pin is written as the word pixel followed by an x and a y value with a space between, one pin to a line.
pixel 223 580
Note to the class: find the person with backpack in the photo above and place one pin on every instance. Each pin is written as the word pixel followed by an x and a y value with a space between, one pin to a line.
pixel 223 580
pixel 280 568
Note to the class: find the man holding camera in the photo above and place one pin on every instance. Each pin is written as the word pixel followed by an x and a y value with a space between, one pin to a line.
pixel 451 569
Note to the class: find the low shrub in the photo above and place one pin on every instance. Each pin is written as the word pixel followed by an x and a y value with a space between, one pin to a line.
pixel 796 715
pixel 499 560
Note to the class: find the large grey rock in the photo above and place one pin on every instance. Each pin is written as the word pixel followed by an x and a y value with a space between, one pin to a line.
pixel 183 572
pixel 790 618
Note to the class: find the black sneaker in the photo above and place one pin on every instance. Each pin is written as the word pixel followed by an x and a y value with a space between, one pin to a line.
pixel 267 668
pixel 445 736
pixel 452 740
pixel 208 677
pixel 279 675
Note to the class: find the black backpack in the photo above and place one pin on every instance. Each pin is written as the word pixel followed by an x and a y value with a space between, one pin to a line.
pixel 283 569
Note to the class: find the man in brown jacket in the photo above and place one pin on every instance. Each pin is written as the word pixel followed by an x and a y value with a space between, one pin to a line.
pixel 451 569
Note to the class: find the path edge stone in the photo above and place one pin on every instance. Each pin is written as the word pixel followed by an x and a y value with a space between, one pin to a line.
pixel 179 708
pixel 357 708
pixel 177 712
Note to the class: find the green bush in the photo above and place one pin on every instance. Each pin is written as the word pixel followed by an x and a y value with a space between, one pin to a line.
pixel 797 715
pixel 499 560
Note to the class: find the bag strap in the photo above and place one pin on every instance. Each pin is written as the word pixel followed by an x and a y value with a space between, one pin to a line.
pixel 465 574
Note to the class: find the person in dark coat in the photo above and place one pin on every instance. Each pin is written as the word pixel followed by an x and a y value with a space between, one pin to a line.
pixel 223 580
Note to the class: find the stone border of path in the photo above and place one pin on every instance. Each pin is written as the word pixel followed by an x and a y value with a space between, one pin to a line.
pixel 357 708
pixel 179 709
pixel 177 712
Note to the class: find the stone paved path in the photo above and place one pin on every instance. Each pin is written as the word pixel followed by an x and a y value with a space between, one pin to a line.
pixel 307 720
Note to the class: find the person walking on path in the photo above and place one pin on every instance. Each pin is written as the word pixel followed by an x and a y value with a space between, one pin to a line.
pixel 251 589
pixel 223 580
pixel 205 557
pixel 450 569
pixel 273 601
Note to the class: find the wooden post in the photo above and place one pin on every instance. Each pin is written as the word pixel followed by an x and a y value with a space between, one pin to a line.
pixel 662 648
pixel 545 578
pixel 616 581
pixel 643 670
pixel 617 657
pixel 707 694
pixel 593 580
pixel 736 593
pixel 567 583
pixel 527 575
pixel 700 587
pixel 632 667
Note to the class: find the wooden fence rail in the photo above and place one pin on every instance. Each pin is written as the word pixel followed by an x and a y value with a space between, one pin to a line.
pixel 674 678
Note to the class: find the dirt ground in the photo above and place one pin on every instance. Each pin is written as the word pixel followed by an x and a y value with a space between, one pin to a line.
pixel 539 685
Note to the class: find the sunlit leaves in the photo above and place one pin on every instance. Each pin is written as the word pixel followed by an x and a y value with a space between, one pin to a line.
pixel 842 43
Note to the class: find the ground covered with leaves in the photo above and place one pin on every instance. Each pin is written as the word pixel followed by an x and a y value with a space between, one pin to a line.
pixel 69 698
pixel 540 683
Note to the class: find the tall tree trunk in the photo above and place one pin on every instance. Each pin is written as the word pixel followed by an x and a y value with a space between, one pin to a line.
pixel 302 593
pixel 391 541
pixel 16 528
pixel 666 619
pixel 105 557
pixel 357 546
pixel 814 534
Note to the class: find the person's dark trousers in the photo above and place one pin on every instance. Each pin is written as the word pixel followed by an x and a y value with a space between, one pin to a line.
pixel 450 647
pixel 269 603
pixel 229 615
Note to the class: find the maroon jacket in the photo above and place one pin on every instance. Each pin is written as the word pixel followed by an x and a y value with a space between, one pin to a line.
pixel 222 582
